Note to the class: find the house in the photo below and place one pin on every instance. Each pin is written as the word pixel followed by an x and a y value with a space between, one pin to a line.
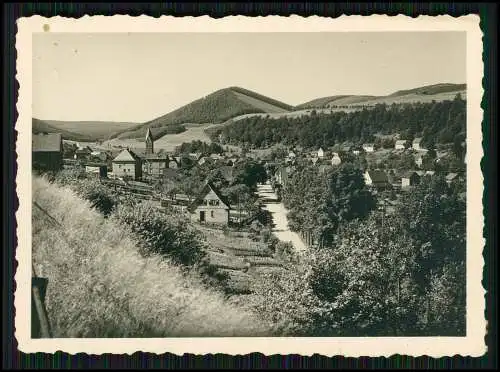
pixel 154 164
pixel 291 155
pixel 195 156
pixel 127 164
pixel 450 177
pixel 314 160
pixel 369 147
pixel 97 170
pixel 210 207
pixel 47 151
pixel 202 160
pixel 336 159
pixel 419 160
pixel 430 173
pixel 416 144
pixel 356 150
pixel 83 153
pixel 321 153
pixel 216 157
pixel 400 144
pixel 376 178
pixel 410 179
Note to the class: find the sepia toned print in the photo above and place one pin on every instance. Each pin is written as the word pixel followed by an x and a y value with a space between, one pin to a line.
pixel 279 185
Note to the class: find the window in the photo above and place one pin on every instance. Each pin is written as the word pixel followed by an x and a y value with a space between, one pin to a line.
pixel 212 214
pixel 214 202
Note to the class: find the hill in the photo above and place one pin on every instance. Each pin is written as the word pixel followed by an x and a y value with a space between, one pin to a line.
pixel 437 92
pixel 217 107
pixel 41 126
pixel 94 263
pixel 93 129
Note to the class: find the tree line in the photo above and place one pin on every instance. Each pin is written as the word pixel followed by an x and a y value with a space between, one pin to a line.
pixel 435 122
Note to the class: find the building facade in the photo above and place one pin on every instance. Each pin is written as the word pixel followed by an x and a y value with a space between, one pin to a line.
pixel 47 151
pixel 127 164
pixel 210 207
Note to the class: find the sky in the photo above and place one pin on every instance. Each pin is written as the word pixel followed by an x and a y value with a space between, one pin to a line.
pixel 138 77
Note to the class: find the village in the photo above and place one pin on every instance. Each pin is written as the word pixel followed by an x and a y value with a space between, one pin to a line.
pixel 143 173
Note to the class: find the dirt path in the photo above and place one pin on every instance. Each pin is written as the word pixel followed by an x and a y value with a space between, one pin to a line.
pixel 279 213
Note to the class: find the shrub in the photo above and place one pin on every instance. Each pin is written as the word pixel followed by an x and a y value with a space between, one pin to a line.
pixel 99 195
pixel 165 234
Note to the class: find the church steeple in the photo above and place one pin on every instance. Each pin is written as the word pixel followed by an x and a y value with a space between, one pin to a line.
pixel 149 142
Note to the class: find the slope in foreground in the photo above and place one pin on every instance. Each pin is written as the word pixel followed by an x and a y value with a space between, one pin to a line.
pixel 99 286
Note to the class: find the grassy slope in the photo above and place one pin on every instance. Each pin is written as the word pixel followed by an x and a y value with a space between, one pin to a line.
pixel 94 129
pixel 214 108
pixel 42 126
pixel 99 286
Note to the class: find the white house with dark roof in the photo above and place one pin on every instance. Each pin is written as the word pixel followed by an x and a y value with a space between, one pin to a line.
pixel 127 164
pixel 400 144
pixel 369 147
pixel 416 144
pixel 336 159
pixel 376 178
pixel 210 207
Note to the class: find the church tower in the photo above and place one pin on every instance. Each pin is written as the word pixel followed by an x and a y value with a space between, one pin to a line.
pixel 149 143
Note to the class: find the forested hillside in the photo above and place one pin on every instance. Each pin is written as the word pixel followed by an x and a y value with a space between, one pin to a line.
pixel 214 108
pixel 438 122
pixel 40 126
pixel 438 92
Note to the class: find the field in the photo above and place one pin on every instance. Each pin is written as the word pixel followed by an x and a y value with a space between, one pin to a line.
pixel 99 286
pixel 93 129
pixel 438 92
pixel 259 104
pixel 169 141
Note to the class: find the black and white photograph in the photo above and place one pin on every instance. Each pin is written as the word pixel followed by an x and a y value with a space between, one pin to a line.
pixel 257 185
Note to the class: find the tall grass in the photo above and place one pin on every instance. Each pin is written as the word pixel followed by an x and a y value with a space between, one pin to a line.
pixel 100 286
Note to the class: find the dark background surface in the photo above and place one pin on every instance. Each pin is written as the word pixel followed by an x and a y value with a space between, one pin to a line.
pixel 13 359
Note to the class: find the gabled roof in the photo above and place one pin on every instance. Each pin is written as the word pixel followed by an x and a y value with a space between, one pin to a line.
pixel 206 189
pixel 126 156
pixel 51 142
pixel 417 140
pixel 408 174
pixel 400 142
pixel 368 144
pixel 451 176
pixel 378 176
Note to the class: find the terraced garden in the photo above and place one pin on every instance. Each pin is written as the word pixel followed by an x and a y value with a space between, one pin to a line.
pixel 238 259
